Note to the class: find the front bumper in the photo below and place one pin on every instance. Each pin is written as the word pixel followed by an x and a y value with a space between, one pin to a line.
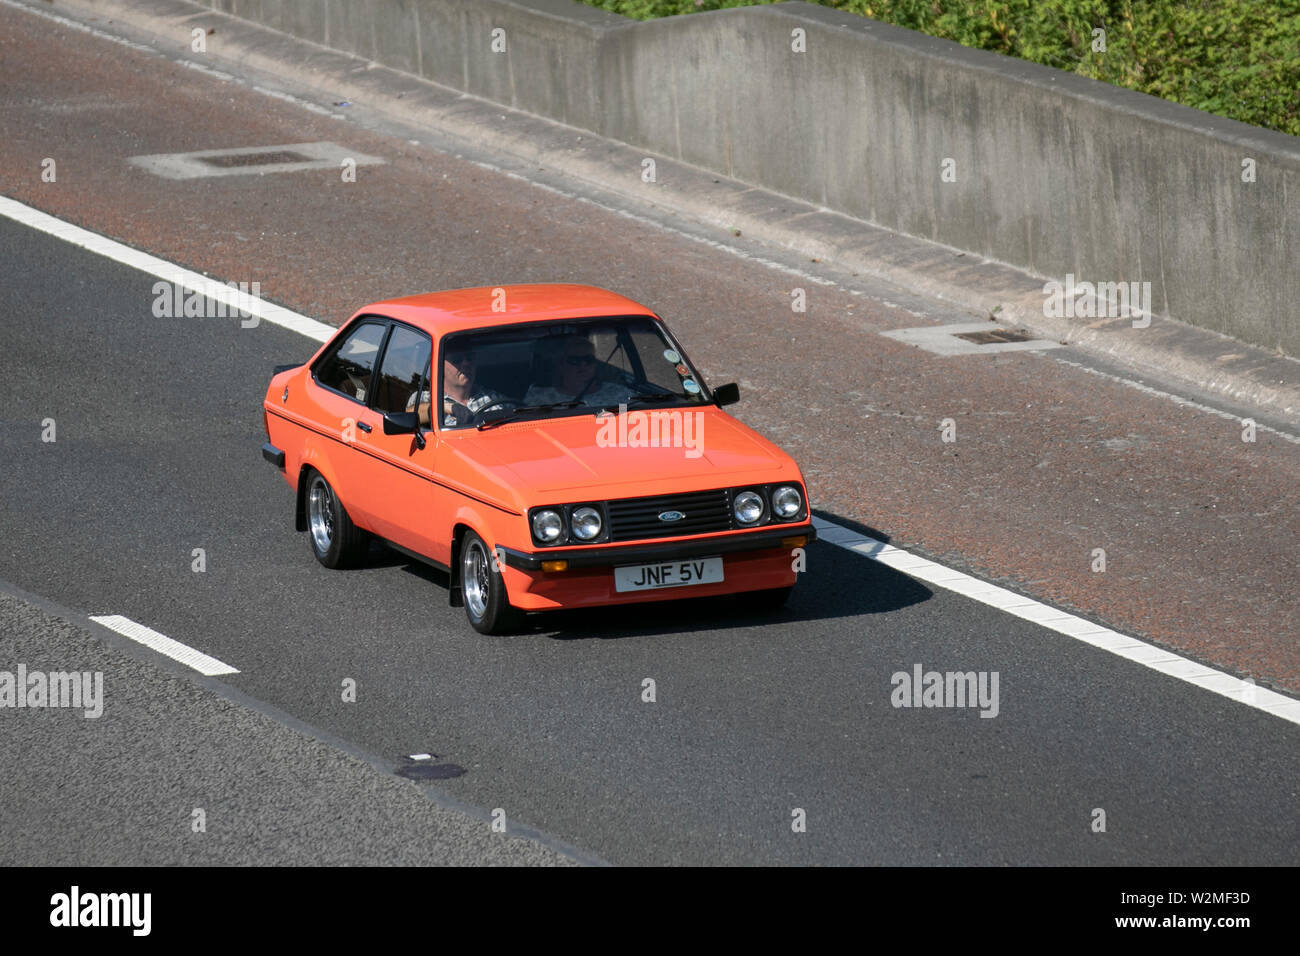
pixel 610 556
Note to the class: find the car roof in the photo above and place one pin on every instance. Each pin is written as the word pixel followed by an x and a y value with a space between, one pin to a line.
pixel 441 312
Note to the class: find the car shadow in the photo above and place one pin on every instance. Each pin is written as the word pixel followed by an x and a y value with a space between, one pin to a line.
pixel 837 584
pixel 855 526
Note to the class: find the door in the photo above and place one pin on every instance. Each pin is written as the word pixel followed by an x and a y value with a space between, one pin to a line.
pixel 398 479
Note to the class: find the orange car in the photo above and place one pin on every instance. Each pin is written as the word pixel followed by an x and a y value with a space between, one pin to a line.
pixel 575 457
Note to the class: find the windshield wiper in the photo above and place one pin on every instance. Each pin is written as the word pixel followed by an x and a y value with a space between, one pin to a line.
pixel 649 397
pixel 510 414
pixel 654 397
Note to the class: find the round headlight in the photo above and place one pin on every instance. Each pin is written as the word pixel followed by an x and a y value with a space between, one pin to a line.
pixel 548 526
pixel 586 523
pixel 786 501
pixel 748 507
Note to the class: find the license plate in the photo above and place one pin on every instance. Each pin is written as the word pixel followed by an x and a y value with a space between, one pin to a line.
pixel 668 574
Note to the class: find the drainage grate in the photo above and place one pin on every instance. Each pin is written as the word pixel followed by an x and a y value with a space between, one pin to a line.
pixel 438 771
pixel 230 160
pixel 253 160
pixel 993 336
pixel 969 338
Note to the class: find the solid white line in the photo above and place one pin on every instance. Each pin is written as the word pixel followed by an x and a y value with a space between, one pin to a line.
pixel 208 666
pixel 1062 622
pixel 167 271
pixel 836 535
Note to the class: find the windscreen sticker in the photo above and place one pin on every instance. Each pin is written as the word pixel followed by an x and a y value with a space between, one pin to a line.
pixel 690 386
pixel 671 355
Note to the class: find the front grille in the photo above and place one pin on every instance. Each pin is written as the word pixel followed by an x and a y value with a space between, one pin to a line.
pixel 705 511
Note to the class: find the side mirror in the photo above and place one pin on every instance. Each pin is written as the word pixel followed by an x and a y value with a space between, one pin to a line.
pixel 727 394
pixel 404 423
pixel 400 423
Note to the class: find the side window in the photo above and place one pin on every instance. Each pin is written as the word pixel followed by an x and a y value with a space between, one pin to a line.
pixel 402 376
pixel 349 367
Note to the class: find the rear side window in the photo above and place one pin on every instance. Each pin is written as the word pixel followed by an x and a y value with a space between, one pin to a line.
pixel 351 365
pixel 402 376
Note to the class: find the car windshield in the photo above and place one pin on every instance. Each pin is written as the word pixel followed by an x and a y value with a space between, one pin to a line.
pixel 548 369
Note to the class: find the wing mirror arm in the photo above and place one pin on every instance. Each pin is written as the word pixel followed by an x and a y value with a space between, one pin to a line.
pixel 404 423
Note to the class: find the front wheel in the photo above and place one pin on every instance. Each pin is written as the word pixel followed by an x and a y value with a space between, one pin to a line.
pixel 486 604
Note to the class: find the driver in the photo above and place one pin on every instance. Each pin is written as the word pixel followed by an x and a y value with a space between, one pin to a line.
pixel 574 376
pixel 460 400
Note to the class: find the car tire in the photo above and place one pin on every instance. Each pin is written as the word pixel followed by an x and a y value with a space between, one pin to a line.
pixel 335 540
pixel 484 590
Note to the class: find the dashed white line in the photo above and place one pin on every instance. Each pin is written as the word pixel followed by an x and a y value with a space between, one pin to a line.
pixel 208 666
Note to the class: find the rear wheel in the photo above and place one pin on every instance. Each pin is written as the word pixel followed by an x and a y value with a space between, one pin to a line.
pixel 486 604
pixel 335 540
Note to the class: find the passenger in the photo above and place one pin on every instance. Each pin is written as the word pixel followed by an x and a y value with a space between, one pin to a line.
pixel 573 376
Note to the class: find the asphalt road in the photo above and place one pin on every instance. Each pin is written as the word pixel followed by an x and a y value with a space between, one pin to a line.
pixel 156 454
pixel 164 771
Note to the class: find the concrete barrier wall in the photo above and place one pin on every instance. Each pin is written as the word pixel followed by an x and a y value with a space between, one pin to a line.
pixel 1055 173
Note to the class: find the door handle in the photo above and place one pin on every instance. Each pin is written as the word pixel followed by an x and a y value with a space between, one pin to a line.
pixel 364 427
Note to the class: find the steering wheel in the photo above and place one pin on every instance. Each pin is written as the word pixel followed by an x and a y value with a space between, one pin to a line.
pixel 478 415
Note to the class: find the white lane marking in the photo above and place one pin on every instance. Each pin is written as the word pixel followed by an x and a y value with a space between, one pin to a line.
pixel 1016 604
pixel 1156 393
pixel 208 666
pixel 421 756
pixel 1062 622
pixel 204 68
pixel 308 105
pixel 168 272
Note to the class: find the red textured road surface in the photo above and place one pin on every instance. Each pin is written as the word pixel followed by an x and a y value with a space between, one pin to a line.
pixel 1199 528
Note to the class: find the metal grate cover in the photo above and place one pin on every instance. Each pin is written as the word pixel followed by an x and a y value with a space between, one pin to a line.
pixel 253 159
pixel 993 336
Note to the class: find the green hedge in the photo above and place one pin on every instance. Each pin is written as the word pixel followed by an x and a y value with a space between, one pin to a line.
pixel 1234 58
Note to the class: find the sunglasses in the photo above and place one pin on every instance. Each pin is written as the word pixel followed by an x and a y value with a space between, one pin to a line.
pixel 577 360
pixel 456 358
